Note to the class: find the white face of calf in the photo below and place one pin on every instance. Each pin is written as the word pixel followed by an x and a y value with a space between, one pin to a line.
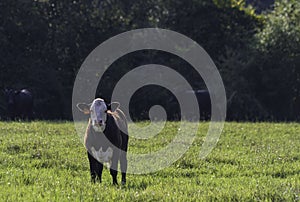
pixel 97 110
pixel 98 114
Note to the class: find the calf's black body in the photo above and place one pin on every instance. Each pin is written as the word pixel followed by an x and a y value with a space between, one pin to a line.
pixel 114 136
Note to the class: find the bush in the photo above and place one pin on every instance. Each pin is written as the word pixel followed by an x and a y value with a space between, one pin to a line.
pixel 277 61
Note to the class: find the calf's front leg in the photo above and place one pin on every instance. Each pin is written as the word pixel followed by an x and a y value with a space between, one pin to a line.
pixel 114 167
pixel 95 169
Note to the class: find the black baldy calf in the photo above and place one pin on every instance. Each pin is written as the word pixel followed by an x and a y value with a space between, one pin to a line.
pixel 106 139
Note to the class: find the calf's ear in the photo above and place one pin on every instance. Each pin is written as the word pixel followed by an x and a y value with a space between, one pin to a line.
pixel 85 108
pixel 113 106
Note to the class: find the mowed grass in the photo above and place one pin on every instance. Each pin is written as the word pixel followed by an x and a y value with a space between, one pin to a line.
pixel 45 161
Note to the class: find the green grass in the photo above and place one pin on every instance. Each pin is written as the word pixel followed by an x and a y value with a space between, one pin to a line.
pixel 45 161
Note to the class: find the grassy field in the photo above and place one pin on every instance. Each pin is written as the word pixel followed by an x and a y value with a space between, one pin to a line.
pixel 45 161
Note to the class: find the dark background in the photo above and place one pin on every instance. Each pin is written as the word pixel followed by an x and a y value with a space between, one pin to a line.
pixel 255 45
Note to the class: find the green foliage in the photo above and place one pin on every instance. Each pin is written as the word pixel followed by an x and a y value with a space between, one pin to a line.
pixel 45 161
pixel 278 60
pixel 213 26
pixel 282 29
pixel 43 44
pixel 263 75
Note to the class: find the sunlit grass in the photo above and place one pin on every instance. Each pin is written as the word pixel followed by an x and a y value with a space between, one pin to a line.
pixel 46 161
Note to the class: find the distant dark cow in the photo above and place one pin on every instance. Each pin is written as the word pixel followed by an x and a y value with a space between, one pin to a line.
pixel 204 103
pixel 19 104
pixel 106 139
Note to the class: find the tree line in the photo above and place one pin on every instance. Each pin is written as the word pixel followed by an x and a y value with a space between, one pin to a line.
pixel 44 42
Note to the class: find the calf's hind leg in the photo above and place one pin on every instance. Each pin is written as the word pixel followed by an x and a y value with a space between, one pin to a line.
pixel 123 162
